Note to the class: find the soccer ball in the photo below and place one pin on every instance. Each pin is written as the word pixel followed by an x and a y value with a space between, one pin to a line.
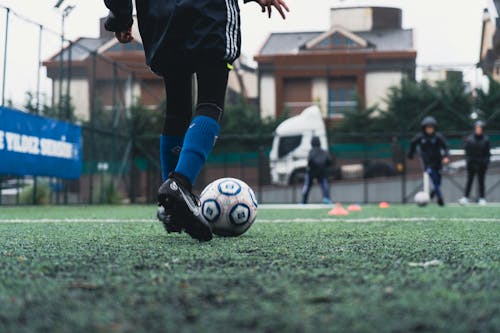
pixel 229 205
pixel 422 199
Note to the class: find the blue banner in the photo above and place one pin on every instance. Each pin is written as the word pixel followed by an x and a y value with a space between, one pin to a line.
pixel 38 146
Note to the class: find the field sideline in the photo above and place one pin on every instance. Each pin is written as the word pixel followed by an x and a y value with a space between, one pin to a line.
pixel 113 269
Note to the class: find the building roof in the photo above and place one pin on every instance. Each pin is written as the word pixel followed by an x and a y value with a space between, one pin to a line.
pixel 381 40
pixel 390 40
pixel 287 42
pixel 80 49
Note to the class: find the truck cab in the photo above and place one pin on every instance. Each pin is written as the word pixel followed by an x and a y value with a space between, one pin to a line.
pixel 292 143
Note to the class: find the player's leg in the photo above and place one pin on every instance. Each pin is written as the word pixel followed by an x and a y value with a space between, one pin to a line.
pixel 178 84
pixel 177 79
pixel 204 129
pixel 468 185
pixel 481 175
pixel 198 143
pixel 435 176
pixel 307 188
pixel 325 189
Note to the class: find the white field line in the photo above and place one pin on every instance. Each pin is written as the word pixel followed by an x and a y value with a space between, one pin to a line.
pixel 322 206
pixel 297 220
pixel 379 219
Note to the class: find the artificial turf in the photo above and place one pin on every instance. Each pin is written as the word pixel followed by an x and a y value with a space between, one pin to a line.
pixel 279 277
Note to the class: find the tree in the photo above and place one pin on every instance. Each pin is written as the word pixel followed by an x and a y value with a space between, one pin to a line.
pixel 454 105
pixel 407 104
pixel 243 120
pixel 43 109
pixel 360 120
pixel 488 104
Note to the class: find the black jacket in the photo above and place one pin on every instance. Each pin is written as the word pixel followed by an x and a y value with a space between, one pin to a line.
pixel 181 28
pixel 432 149
pixel 318 162
pixel 477 150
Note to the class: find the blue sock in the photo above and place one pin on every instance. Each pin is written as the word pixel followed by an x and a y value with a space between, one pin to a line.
pixel 170 147
pixel 199 141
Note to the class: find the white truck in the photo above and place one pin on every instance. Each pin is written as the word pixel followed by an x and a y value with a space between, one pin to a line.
pixel 292 143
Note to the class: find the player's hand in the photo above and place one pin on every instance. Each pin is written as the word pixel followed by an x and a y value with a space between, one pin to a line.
pixel 268 5
pixel 446 160
pixel 124 37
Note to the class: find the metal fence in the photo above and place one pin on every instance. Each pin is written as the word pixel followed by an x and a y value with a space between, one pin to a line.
pixel 121 162
pixel 364 172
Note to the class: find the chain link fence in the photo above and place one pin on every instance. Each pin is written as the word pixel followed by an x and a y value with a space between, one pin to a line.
pixel 100 91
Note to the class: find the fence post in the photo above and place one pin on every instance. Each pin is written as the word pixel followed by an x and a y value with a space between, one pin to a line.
pixel 259 172
pixel 38 78
pixel 242 167
pixel 68 86
pixel 39 69
pixel 365 179
pixel 225 164
pixel 4 78
pixel 403 176
pixel 17 192
pixel 92 130
pixel 58 192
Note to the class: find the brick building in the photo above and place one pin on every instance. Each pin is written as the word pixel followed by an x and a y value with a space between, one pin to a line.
pixel 363 54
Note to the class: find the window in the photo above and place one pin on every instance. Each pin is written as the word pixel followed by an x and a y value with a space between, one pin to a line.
pixel 338 40
pixel 297 95
pixel 350 42
pixel 134 46
pixel 342 96
pixel 287 144
pixel 335 41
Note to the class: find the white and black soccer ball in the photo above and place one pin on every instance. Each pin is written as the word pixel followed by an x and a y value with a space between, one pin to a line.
pixel 422 199
pixel 229 205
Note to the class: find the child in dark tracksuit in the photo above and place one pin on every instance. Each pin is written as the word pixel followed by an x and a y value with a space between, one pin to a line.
pixel 477 153
pixel 433 151
pixel 318 162
pixel 182 38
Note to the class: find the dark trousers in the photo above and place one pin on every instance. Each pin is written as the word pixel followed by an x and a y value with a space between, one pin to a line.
pixel 472 171
pixel 211 78
pixel 436 179
pixel 308 182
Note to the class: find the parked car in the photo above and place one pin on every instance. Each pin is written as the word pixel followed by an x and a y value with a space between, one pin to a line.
pixel 292 143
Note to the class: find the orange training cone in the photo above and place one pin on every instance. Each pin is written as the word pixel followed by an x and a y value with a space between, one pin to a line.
pixel 338 210
pixel 384 205
pixel 354 208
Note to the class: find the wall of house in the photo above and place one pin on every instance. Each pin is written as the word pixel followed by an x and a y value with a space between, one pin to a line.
pixel 489 30
pixel 320 94
pixel 377 87
pixel 366 18
pixel 79 92
pixel 267 96
pixel 353 19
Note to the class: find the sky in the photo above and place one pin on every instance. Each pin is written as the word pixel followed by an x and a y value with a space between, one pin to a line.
pixel 446 31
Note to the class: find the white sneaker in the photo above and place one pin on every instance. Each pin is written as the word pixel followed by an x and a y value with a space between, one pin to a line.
pixel 463 201
pixel 482 202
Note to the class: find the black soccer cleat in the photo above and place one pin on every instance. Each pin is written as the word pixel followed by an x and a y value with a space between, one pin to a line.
pixel 176 197
pixel 168 220
pixel 440 202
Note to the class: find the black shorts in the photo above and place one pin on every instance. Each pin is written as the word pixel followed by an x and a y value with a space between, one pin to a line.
pixel 189 28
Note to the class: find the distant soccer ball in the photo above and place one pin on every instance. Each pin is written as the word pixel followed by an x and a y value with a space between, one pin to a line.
pixel 422 199
pixel 229 205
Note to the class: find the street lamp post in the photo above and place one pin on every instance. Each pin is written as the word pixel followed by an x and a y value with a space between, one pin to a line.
pixel 64 14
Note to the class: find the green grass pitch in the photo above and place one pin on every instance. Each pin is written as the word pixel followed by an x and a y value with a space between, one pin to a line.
pixel 114 269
